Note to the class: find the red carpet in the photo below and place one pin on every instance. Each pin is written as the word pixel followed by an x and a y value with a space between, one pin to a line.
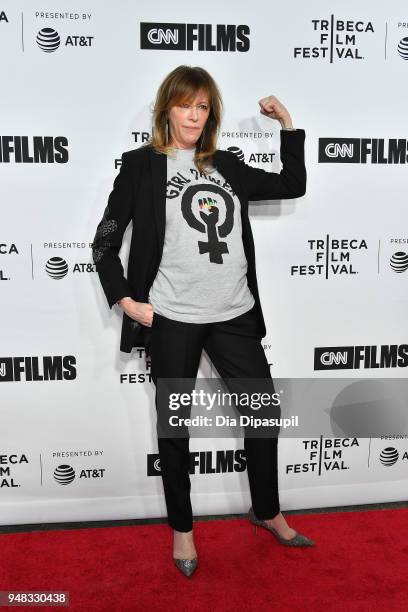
pixel 359 564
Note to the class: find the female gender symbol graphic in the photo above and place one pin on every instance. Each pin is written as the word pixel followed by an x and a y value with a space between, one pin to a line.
pixel 213 246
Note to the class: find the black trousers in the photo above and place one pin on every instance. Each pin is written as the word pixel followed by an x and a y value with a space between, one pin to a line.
pixel 236 351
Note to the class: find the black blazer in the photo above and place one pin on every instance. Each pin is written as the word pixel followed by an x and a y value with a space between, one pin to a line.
pixel 139 195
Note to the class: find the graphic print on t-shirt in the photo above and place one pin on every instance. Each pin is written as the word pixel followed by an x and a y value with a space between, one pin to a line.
pixel 203 230
pixel 193 201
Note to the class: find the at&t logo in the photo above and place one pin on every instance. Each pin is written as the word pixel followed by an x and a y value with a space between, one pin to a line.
pixel 65 474
pixel 49 40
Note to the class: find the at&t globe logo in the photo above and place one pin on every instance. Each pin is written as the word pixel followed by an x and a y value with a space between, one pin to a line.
pixel 399 262
pixel 389 456
pixel 403 48
pixel 64 474
pixel 48 40
pixel 56 267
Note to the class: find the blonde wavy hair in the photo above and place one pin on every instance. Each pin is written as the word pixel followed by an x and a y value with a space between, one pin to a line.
pixel 180 86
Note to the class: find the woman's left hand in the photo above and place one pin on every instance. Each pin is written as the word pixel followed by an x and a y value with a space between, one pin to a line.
pixel 273 108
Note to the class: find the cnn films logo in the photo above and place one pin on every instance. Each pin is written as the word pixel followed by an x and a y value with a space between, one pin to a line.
pixel 194 37
pixel 335 39
pixel 205 462
pixel 28 369
pixel 7 462
pixel 33 149
pixel 331 257
pixel 65 474
pixel 361 357
pixel 363 151
pixel 323 455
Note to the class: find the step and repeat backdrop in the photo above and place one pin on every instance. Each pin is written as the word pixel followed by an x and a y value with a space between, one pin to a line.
pixel 77 436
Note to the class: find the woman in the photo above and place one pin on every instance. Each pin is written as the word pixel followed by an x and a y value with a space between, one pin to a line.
pixel 191 280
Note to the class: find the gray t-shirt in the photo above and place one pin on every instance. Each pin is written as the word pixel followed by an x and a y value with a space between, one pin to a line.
pixel 202 273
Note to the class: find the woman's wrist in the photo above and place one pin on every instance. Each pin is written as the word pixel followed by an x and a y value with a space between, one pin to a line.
pixel 120 302
pixel 286 124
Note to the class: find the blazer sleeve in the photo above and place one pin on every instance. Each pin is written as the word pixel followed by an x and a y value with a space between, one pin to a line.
pixel 109 235
pixel 290 182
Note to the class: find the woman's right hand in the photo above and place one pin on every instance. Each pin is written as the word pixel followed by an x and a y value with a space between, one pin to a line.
pixel 142 312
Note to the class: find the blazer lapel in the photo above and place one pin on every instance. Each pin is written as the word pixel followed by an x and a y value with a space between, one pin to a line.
pixel 158 163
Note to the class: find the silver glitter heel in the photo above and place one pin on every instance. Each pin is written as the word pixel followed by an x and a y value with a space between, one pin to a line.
pixel 186 566
pixel 297 540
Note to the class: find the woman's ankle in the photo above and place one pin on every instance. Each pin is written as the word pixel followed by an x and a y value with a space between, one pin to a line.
pixel 183 545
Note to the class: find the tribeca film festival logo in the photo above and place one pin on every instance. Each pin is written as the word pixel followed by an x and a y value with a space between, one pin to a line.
pixel 335 39
pixel 363 150
pixel 6 475
pixel 194 37
pixel 7 249
pixel 45 368
pixel 332 257
pixel 65 474
pixel 361 357
pixel 205 462
pixel 323 455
